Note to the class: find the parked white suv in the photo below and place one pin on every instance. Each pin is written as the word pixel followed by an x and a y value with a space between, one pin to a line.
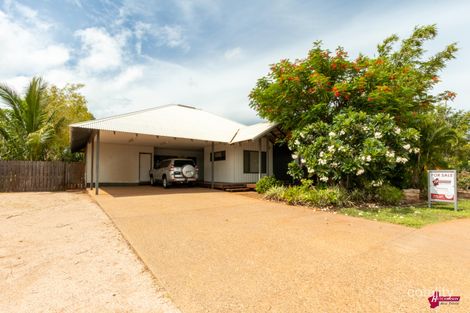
pixel 171 171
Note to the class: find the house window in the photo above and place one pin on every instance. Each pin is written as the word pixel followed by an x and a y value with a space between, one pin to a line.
pixel 250 161
pixel 218 156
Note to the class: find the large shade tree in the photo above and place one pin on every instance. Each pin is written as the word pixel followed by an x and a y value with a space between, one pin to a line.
pixel 358 121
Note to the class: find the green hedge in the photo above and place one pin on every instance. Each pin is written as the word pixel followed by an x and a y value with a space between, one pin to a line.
pixel 306 194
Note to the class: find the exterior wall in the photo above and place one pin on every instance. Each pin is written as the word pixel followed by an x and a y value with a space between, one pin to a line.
pixel 118 163
pixel 231 169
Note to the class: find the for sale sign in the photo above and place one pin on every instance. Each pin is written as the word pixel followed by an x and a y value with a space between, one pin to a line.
pixel 442 186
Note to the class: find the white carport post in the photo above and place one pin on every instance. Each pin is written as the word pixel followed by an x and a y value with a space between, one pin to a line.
pixel 259 159
pixel 267 156
pixel 92 160
pixel 97 162
pixel 212 165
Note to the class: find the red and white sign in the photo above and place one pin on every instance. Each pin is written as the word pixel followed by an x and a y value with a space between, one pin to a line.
pixel 442 186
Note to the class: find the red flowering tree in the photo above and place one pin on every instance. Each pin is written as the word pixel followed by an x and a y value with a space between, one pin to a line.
pixel 397 83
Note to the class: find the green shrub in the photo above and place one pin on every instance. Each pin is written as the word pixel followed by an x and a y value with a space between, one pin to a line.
pixel 387 194
pixel 306 195
pixel 275 193
pixel 463 180
pixel 265 183
pixel 295 194
pixel 358 196
pixel 332 196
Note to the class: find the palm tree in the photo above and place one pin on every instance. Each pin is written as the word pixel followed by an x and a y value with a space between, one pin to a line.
pixel 26 127
pixel 437 141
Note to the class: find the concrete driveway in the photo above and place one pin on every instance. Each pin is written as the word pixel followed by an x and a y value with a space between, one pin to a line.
pixel 225 252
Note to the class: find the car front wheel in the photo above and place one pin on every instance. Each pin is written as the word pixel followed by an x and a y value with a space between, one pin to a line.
pixel 165 182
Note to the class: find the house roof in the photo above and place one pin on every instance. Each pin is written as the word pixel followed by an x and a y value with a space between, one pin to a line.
pixel 178 121
pixel 252 132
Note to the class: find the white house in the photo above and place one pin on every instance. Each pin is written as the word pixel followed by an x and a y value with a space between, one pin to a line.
pixel 121 149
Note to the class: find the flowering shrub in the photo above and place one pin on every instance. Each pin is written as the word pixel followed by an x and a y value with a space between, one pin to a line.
pixel 355 121
pixel 356 149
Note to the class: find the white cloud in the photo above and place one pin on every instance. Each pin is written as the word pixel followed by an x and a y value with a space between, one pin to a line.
pixel 102 51
pixel 233 54
pixel 169 36
pixel 128 76
pixel 172 36
pixel 24 50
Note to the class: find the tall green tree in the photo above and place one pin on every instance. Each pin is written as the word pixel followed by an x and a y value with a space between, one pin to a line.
pixel 70 107
pixel 384 102
pixel 26 126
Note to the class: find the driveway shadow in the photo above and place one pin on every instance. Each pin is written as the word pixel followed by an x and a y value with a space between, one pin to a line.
pixel 134 191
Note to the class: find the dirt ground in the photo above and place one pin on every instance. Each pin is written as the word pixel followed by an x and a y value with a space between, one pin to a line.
pixel 60 253
pixel 223 252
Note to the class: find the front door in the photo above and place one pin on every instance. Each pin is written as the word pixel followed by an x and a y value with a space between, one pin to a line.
pixel 145 164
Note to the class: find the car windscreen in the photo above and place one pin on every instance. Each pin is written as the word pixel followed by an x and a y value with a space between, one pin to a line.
pixel 181 163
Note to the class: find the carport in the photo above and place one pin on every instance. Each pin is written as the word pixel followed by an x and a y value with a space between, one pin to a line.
pixel 121 149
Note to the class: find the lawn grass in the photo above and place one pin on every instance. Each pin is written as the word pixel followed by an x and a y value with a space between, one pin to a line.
pixel 413 216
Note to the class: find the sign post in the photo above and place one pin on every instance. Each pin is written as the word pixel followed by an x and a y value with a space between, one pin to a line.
pixel 442 187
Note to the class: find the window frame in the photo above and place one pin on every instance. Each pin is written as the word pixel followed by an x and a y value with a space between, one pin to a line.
pixel 246 167
pixel 223 156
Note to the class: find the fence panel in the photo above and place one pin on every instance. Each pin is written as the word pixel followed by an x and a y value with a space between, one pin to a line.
pixel 41 175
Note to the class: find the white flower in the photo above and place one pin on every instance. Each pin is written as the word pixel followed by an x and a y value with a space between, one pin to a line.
pixel 360 172
pixel 322 154
pixel 376 183
pixel 342 132
pixel 295 156
pixel 334 164
pixel 321 161
pixel 302 160
pixel 331 148
pixel 407 147
pixel 378 135
pixel 368 158
pixel 402 160
pixel 390 154
pixel 416 150
pixel 364 128
pixel 397 130
pixel 310 170
pixel 331 134
pixel 324 178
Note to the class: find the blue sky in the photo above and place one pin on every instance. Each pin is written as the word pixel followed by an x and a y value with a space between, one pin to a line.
pixel 138 54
